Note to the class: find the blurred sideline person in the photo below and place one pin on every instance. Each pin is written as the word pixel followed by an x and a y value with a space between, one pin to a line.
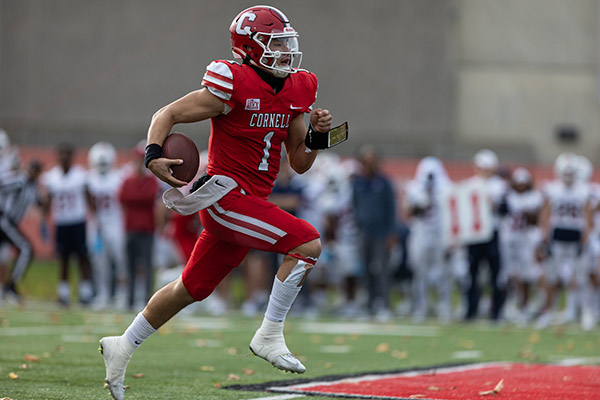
pixel 17 194
pixel 486 165
pixel 9 165
pixel 344 237
pixel 565 224
pixel 106 233
pixel 520 236
pixel 429 259
pixel 67 204
pixel 255 107
pixel 137 196
pixel 590 274
pixel 374 206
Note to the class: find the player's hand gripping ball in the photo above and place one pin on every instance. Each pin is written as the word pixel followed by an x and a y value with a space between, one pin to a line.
pixel 180 146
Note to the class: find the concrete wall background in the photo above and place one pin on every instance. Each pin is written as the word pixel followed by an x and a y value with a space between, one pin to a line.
pixel 442 77
pixel 526 67
pixel 84 70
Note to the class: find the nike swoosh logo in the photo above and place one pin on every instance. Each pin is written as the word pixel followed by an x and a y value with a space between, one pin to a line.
pixel 219 183
pixel 138 343
pixel 293 107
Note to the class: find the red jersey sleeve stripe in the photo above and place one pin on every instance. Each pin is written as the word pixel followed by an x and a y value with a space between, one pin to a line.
pixel 219 77
pixel 208 82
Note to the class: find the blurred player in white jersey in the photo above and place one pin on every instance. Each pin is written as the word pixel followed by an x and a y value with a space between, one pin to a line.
pixel 106 232
pixel 565 226
pixel 341 235
pixel 67 204
pixel 519 237
pixel 428 257
pixel 590 274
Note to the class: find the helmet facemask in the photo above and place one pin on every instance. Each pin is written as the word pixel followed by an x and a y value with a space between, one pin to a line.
pixel 281 55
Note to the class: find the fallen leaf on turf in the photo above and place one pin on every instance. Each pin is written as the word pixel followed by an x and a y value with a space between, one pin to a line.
pixel 12 375
pixel 339 340
pixel 499 386
pixel 247 371
pixel 416 396
pixel 6 398
pixel 232 351
pixel 46 354
pixel 24 366
pixel 207 368
pixel 328 365
pixel 217 385
pixel 164 330
pixel 400 355
pixel 233 377
pixel 434 388
pixel 534 338
pixel 382 347
pixel 567 378
pixel 59 349
pixel 32 358
pixel 138 375
pixel 570 345
pixel 466 344
pixel 496 390
pixel 126 387
pixel 55 317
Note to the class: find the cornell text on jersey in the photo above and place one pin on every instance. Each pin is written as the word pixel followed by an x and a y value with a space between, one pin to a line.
pixel 270 120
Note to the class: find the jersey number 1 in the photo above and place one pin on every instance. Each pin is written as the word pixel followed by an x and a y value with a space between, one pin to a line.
pixel 264 162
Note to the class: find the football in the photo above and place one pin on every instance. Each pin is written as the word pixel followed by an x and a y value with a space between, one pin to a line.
pixel 180 146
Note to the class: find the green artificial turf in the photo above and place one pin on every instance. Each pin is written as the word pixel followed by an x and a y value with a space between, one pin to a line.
pixel 194 356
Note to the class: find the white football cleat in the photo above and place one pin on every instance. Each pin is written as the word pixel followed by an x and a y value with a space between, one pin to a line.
pixel 268 343
pixel 117 352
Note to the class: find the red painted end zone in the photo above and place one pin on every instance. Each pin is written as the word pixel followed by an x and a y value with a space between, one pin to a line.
pixel 521 381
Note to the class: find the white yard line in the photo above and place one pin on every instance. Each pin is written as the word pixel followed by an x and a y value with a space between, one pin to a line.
pixel 365 328
pixel 48 330
pixel 280 397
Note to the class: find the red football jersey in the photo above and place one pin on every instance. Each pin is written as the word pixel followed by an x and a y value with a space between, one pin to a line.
pixel 245 142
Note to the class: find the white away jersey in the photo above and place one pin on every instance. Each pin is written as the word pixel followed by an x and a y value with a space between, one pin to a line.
pixel 519 205
pixel 567 204
pixel 417 195
pixel 68 194
pixel 104 189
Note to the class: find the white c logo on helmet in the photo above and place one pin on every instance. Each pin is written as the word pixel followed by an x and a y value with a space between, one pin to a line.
pixel 239 29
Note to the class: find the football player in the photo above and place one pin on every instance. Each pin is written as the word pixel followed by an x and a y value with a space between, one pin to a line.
pixel 429 259
pixel 106 233
pixel 255 107
pixel 67 201
pixel 590 272
pixel 565 225
pixel 519 238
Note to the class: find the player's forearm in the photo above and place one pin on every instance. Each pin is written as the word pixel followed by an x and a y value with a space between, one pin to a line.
pixel 162 123
pixel 301 160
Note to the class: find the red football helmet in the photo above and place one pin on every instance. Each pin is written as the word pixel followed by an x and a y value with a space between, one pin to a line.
pixel 263 36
